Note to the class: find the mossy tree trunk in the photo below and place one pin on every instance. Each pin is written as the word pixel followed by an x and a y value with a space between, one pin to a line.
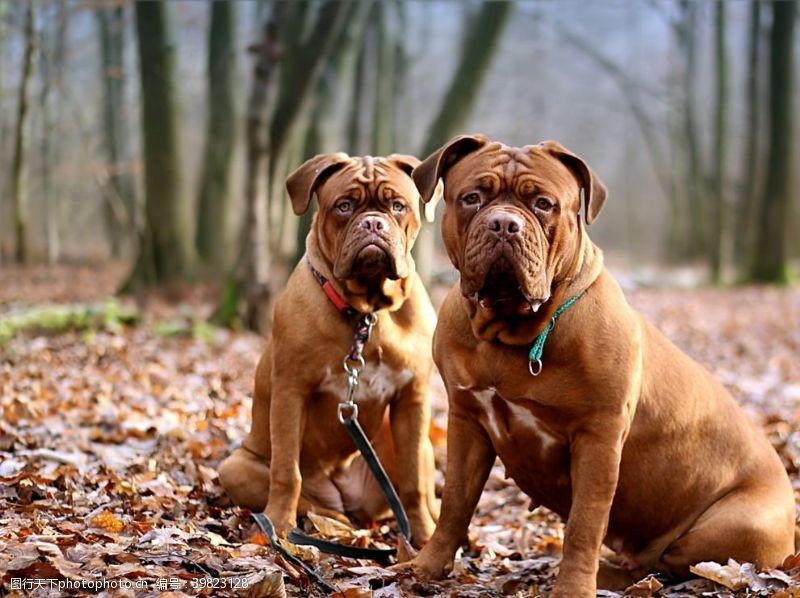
pixel 770 259
pixel 215 204
pixel 165 254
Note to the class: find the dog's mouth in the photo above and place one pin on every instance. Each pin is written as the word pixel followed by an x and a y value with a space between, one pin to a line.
pixel 503 293
pixel 371 261
pixel 370 257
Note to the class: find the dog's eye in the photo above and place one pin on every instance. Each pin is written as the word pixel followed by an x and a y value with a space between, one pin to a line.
pixel 398 206
pixel 543 203
pixel 344 206
pixel 471 199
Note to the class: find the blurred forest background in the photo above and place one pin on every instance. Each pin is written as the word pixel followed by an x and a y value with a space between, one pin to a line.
pixel 144 146
pixel 158 134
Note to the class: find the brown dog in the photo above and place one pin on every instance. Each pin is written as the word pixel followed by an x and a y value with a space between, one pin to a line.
pixel 620 433
pixel 298 456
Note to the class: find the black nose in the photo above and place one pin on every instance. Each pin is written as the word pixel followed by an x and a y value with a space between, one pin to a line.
pixel 372 223
pixel 505 224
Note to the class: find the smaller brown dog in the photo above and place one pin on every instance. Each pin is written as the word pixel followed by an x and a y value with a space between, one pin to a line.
pixel 298 457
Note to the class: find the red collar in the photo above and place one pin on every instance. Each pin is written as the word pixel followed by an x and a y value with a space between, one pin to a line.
pixel 339 303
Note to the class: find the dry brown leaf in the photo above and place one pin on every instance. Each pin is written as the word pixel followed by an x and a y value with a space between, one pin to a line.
pixel 265 584
pixel 729 575
pixel 330 527
pixel 644 588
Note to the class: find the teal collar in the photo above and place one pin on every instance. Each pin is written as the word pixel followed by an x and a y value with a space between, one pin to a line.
pixel 535 354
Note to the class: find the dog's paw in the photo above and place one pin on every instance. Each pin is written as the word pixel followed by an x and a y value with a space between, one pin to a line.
pixel 423 568
pixel 572 590
pixel 282 522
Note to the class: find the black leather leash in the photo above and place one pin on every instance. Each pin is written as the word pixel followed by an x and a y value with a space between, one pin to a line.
pixel 348 416
pixel 269 531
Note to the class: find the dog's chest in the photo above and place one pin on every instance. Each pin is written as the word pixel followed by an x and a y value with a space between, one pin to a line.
pixel 378 381
pixel 533 453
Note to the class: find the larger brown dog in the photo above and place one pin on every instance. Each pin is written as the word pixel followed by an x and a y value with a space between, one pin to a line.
pixel 631 441
pixel 297 455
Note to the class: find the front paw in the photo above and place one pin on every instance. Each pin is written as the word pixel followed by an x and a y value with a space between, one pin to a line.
pixel 573 589
pixel 282 521
pixel 423 567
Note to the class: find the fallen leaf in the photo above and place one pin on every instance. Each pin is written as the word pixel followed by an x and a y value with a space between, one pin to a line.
pixel 729 575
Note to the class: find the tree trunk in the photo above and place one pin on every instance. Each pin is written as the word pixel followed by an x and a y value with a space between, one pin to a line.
pixel 5 210
pixel 696 208
pixel 120 191
pixel 166 255
pixel 320 135
pixel 52 66
pixel 746 213
pixel 19 161
pixel 383 115
pixel 301 68
pixel 481 42
pixel 770 263
pixel 354 126
pixel 215 204
pixel 480 45
pixel 719 211
pixel 249 280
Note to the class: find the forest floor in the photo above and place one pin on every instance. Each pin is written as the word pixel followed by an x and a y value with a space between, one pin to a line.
pixel 110 435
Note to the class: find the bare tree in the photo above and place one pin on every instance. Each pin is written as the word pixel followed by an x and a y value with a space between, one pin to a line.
pixel 746 212
pixel 165 254
pixel 120 191
pixel 770 259
pixel 52 60
pixel 19 160
pixel 249 279
pixel 482 39
pixel 215 204
pixel 719 210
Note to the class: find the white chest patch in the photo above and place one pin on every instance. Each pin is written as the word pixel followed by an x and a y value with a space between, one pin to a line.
pixel 521 418
pixel 377 382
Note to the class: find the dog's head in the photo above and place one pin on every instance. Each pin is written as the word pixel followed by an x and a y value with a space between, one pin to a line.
pixel 511 222
pixel 368 214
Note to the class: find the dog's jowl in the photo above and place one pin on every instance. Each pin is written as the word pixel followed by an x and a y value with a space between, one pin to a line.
pixel 594 413
pixel 298 456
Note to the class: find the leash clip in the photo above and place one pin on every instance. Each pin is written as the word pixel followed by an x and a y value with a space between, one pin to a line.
pixel 343 417
pixel 535 366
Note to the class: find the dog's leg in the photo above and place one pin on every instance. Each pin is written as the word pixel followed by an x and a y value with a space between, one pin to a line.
pixel 596 455
pixel 245 473
pixel 752 524
pixel 410 420
pixel 287 423
pixel 470 456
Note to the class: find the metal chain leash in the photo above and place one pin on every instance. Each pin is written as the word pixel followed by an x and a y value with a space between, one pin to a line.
pixel 354 365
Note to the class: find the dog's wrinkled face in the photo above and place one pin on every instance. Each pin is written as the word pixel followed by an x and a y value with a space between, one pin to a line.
pixel 368 214
pixel 511 222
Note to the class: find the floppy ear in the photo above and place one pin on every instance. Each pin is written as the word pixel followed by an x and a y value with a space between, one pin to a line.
pixel 426 176
pixel 303 182
pixel 594 191
pixel 404 162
